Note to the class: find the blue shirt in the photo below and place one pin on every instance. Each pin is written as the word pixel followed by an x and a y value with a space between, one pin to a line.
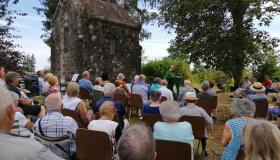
pixel 150 110
pixel 118 104
pixel 85 83
pixel 142 89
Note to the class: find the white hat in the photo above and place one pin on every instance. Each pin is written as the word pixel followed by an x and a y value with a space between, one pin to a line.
pixel 190 96
pixel 257 87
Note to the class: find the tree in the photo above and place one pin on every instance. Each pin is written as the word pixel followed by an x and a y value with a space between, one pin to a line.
pixel 267 67
pixel 10 57
pixel 49 8
pixel 29 63
pixel 220 33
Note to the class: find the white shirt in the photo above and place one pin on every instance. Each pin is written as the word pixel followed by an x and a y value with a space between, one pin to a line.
pixel 19 125
pixel 2 82
pixel 70 103
pixel 106 126
pixel 166 93
pixel 98 88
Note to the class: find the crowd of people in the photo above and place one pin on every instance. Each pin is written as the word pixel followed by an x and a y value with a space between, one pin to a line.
pixel 21 118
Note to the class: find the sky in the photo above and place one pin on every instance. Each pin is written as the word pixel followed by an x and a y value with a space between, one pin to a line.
pixel 30 29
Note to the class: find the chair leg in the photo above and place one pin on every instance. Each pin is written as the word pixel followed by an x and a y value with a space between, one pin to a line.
pixel 198 144
pixel 129 114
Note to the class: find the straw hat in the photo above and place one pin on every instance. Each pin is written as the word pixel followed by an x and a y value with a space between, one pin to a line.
pixel 190 96
pixel 257 87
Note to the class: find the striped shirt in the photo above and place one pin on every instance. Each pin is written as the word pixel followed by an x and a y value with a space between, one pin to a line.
pixel 54 124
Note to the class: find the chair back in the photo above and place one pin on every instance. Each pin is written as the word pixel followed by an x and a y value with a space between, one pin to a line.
pixel 120 97
pixel 167 150
pixel 116 117
pixel 93 145
pixel 162 99
pixel 215 101
pixel 198 125
pixel 75 116
pixel 84 94
pixel 136 101
pixel 261 109
pixel 207 104
pixel 97 95
pixel 151 119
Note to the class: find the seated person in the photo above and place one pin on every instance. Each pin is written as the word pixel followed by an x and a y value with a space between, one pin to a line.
pixel 165 91
pixel 109 89
pixel 15 147
pixel 141 88
pixel 171 129
pixel 275 110
pixel 107 125
pixel 204 94
pixel 72 102
pixel 261 140
pixel 12 80
pixel 259 90
pixel 153 108
pixel 119 89
pixel 54 124
pixel 85 82
pixel 192 110
pixel 97 84
pixel 243 110
pixel 211 91
pixel 137 142
pixel 183 90
pixel 53 82
pixel 122 84
pixel 156 84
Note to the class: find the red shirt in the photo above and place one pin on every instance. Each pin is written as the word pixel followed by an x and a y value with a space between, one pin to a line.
pixel 267 83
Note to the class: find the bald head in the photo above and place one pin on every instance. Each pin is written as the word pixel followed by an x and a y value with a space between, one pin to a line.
pixel 86 75
pixel 53 102
pixel 164 82
pixel 136 143
pixel 187 83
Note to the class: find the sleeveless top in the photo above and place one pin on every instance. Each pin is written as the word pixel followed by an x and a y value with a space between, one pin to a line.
pixel 236 126
pixel 71 103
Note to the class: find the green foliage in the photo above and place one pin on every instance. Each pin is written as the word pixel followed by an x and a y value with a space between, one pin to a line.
pixel 220 32
pixel 158 68
pixel 212 75
pixel 29 64
pixel 268 67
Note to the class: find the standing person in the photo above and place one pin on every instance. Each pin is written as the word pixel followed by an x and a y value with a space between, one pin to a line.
pixel 141 88
pixel 262 140
pixel 122 84
pixel 267 83
pixel 229 83
pixel 15 147
pixel 41 82
pixel 165 91
pixel 183 90
pixel 85 82
pixel 2 76
pixel 243 110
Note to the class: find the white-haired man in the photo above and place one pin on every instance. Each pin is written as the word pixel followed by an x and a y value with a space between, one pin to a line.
pixel 54 124
pixel 165 91
pixel 183 90
pixel 85 82
pixel 141 88
pixel 23 148
pixel 137 142
pixel 109 89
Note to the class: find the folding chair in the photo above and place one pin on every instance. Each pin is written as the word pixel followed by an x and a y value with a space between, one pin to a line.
pixel 120 97
pixel 207 104
pixel 93 145
pixel 198 128
pixel 75 116
pixel 261 109
pixel 162 99
pixel 151 119
pixel 135 101
pixel 167 150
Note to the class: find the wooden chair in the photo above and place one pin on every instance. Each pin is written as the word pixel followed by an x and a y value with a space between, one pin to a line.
pixel 162 99
pixel 198 127
pixel 75 116
pixel 207 104
pixel 116 117
pixel 167 150
pixel 120 97
pixel 151 119
pixel 261 109
pixel 93 145
pixel 85 94
pixel 136 102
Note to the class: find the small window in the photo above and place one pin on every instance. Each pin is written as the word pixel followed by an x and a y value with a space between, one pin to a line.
pixel 113 46
pixel 66 40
